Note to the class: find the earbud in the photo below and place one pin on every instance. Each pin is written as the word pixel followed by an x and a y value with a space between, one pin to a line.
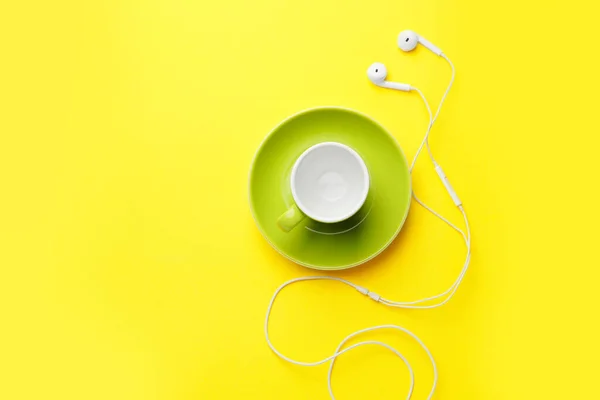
pixel 408 40
pixel 377 73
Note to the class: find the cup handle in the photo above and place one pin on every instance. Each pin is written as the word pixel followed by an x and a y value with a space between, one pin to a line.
pixel 289 219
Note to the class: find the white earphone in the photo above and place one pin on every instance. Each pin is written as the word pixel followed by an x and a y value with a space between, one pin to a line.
pixel 408 40
pixel 377 73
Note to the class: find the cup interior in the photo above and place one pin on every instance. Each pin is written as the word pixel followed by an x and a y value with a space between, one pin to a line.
pixel 330 182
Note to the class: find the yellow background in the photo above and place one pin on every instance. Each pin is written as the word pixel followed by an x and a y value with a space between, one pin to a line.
pixel 130 267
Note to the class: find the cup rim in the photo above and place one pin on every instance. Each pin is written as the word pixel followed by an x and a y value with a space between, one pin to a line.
pixel 366 180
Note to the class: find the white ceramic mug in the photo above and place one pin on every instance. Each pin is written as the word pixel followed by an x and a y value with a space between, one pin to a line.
pixel 330 183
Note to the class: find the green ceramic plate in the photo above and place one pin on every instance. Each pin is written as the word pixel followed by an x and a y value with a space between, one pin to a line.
pixel 344 244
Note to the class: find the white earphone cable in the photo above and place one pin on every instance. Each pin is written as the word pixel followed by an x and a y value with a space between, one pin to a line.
pixel 416 304
pixel 467 238
pixel 338 352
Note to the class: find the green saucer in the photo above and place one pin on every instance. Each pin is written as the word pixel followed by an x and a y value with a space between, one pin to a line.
pixel 344 244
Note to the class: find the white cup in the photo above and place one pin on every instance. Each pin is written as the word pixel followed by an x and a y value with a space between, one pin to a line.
pixel 330 183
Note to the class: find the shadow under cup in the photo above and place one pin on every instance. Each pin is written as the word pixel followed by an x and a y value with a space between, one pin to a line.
pixel 345 226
